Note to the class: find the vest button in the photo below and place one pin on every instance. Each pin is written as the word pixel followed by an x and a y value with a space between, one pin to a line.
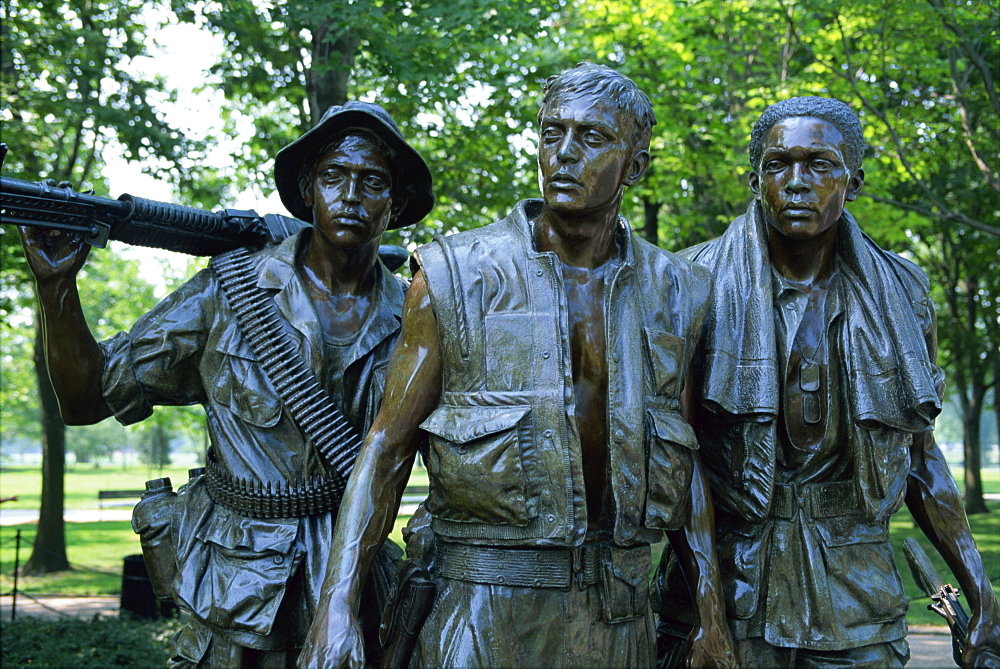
pixel 547 433
pixel 545 354
pixel 539 272
pixel 619 436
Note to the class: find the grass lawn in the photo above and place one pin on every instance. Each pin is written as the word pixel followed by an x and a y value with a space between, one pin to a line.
pixel 81 483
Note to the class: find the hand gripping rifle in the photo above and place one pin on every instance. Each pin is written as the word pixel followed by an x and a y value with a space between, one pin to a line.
pixel 136 220
pixel 944 601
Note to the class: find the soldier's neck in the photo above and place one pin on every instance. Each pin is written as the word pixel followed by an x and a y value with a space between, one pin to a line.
pixel 340 270
pixel 586 240
pixel 809 263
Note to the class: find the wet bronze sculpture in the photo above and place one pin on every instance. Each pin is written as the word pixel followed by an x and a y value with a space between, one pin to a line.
pixel 248 540
pixel 543 357
pixel 816 394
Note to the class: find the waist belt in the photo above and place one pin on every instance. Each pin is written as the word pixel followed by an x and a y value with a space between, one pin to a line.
pixel 817 500
pixel 259 500
pixel 521 567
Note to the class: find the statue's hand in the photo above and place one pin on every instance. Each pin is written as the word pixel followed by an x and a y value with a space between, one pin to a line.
pixel 52 254
pixel 711 648
pixel 983 648
pixel 334 640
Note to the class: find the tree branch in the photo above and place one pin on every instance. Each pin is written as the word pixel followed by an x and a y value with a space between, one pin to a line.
pixel 945 211
pixel 970 53
pixel 944 215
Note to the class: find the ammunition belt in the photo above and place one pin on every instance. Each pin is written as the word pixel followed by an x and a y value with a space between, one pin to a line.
pixel 281 500
pixel 312 409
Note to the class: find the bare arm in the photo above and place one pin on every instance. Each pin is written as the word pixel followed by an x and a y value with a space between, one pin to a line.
pixel 370 504
pixel 933 499
pixel 710 643
pixel 74 359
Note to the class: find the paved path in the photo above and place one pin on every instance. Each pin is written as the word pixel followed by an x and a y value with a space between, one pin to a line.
pixel 930 647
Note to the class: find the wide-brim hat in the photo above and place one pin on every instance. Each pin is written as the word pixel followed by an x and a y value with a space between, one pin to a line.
pixel 411 170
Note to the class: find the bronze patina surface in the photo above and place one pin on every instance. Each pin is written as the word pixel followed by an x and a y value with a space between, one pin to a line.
pixel 543 359
pixel 816 390
pixel 248 541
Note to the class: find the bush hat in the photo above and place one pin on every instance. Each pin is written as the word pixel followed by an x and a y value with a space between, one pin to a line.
pixel 411 170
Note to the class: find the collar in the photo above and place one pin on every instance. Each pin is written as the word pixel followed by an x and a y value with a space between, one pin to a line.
pixel 276 271
pixel 524 218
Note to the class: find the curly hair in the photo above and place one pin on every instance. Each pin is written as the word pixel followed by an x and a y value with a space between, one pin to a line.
pixel 830 110
pixel 594 79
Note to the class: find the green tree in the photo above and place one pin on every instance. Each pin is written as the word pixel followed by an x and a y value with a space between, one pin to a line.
pixel 458 75
pixel 68 97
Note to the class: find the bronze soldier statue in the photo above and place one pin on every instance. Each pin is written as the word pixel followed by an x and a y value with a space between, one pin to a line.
pixel 543 357
pixel 817 392
pixel 248 540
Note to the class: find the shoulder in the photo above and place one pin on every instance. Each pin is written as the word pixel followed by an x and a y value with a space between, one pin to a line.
pixel 679 269
pixel 913 279
pixel 489 241
pixel 704 254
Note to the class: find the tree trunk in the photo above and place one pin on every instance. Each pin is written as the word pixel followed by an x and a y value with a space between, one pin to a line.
pixel 973 451
pixel 49 551
pixel 330 71
pixel 650 226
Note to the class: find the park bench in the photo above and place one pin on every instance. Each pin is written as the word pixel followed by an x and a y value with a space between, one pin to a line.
pixel 120 497
pixel 414 494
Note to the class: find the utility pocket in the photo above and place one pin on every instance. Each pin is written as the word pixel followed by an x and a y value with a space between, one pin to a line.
pixel 740 549
pixel 853 552
pixel 666 353
pixel 241 385
pixel 474 463
pixel 670 441
pixel 624 583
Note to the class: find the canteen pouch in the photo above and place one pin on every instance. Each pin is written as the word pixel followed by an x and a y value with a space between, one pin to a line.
pixel 624 583
pixel 151 520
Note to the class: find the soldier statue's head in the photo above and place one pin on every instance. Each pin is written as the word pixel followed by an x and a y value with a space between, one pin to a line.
pixel 355 131
pixel 806 156
pixel 594 130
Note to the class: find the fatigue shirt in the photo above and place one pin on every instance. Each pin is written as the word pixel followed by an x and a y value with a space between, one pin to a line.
pixel 505 461
pixel 233 569
pixel 804 553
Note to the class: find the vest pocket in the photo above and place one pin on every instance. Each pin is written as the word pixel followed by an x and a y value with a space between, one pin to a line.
pixel 241 385
pixel 670 441
pixel 474 464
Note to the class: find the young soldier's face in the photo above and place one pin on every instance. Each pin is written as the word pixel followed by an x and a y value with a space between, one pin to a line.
pixel 802 181
pixel 351 196
pixel 584 154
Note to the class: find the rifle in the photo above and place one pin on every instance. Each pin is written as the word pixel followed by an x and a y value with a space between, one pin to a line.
pixel 143 222
pixel 944 601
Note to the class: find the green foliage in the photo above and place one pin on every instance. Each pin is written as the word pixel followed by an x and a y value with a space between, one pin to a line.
pixel 86 644
pixel 115 294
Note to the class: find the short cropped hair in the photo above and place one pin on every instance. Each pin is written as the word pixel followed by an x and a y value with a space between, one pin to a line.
pixel 594 79
pixel 370 140
pixel 830 110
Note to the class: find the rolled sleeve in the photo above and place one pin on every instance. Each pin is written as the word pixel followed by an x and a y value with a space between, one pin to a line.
pixel 157 361
pixel 122 390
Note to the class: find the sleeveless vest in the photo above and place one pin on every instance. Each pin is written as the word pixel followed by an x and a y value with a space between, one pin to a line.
pixel 504 458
